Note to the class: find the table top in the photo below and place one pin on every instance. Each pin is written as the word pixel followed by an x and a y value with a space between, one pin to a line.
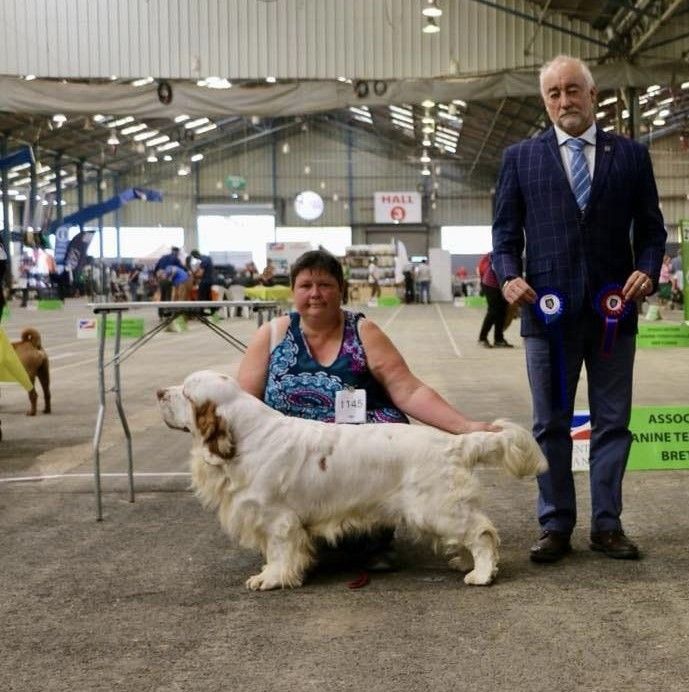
pixel 180 304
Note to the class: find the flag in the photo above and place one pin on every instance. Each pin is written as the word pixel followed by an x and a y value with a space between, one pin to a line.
pixel 11 368
pixel 75 257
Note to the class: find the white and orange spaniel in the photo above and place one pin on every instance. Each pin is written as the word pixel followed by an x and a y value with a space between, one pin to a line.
pixel 278 483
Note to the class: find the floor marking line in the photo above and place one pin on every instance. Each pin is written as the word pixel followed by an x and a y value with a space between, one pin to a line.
pixel 388 322
pixel 56 476
pixel 455 348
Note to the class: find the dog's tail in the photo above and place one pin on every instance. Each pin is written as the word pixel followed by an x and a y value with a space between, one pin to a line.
pixel 514 448
pixel 31 336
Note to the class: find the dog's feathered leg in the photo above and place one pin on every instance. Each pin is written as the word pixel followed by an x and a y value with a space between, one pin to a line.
pixel 289 554
pixel 482 540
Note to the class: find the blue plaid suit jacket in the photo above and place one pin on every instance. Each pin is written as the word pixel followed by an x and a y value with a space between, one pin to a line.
pixel 539 230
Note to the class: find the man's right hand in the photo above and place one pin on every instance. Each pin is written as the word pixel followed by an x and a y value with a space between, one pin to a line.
pixel 517 292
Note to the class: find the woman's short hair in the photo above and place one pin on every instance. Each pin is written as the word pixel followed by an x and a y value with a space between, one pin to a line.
pixel 317 260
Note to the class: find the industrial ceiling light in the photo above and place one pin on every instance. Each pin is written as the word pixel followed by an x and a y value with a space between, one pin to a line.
pixel 59 119
pixel 196 157
pixel 431 9
pixel 431 27
pixel 425 170
pixel 428 103
pixel 112 140
pixel 152 158
pixel 425 158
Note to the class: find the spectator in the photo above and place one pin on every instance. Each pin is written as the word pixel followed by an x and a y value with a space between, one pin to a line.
pixel 497 306
pixel 423 277
pixel 164 283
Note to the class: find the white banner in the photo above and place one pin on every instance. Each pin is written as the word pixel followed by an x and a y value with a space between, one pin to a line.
pixel 397 207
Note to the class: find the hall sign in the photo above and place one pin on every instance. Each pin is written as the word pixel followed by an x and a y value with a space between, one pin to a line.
pixel 397 207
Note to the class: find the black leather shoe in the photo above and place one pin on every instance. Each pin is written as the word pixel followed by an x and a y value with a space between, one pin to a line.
pixel 502 344
pixel 550 547
pixel 485 343
pixel 614 544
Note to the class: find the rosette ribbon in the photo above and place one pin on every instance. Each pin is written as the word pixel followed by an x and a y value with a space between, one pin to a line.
pixel 550 308
pixel 612 307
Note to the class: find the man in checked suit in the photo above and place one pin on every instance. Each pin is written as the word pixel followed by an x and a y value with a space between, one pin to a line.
pixel 586 215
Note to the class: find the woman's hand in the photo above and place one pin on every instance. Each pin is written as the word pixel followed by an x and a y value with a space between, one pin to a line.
pixel 478 426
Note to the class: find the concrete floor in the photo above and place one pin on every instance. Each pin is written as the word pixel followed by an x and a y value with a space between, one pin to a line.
pixel 152 598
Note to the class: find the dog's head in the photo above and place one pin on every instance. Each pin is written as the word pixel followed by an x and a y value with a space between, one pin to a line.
pixel 193 407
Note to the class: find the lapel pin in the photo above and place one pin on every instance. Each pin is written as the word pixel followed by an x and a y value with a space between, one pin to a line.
pixel 607 148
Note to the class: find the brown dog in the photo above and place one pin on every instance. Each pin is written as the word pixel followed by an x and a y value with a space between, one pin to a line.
pixel 35 362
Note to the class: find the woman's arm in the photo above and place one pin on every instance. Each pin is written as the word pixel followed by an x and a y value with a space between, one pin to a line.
pixel 253 369
pixel 408 392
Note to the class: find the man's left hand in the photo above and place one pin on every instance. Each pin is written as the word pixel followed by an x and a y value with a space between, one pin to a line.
pixel 638 286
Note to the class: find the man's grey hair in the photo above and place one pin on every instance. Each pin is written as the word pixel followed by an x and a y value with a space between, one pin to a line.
pixel 561 60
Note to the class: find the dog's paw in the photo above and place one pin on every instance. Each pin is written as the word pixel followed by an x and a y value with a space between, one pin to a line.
pixel 267 580
pixel 257 582
pixel 480 578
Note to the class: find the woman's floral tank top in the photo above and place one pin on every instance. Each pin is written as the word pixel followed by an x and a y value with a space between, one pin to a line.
pixel 300 386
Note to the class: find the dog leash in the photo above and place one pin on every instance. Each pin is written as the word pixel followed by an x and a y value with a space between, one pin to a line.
pixel 359 582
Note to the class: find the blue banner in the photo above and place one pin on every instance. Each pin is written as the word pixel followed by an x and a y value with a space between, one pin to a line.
pixel 80 217
pixel 23 155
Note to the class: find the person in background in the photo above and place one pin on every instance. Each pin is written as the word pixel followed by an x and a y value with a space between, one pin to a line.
pixel 462 275
pixel 423 277
pixel 374 278
pixel 497 306
pixel 202 268
pixel 582 205
pixel 181 282
pixel 677 280
pixel 665 281
pixel 298 363
pixel 133 280
pixel 164 283
pixel 268 274
pixel 408 274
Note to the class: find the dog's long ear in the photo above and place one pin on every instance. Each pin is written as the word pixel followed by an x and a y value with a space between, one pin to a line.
pixel 214 430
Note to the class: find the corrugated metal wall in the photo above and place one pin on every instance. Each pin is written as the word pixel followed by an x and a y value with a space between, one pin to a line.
pixel 671 166
pixel 325 155
pixel 291 39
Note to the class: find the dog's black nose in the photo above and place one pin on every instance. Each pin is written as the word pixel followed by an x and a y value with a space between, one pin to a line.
pixel 160 393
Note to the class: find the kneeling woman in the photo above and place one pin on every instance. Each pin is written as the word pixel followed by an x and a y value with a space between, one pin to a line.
pixel 298 363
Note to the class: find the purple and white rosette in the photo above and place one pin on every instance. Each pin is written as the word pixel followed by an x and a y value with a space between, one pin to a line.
pixel 550 307
pixel 612 307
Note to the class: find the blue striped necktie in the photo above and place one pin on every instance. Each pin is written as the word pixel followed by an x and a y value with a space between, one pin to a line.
pixel 581 180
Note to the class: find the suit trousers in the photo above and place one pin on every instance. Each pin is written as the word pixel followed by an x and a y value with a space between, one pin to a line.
pixel 609 380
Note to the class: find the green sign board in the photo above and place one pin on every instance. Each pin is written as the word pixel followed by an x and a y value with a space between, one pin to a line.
pixel 662 334
pixel 660 438
pixel 475 302
pixel 235 183
pixel 132 327
pixel 50 304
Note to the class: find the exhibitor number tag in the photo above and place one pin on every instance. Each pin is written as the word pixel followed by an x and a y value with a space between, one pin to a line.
pixel 350 406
